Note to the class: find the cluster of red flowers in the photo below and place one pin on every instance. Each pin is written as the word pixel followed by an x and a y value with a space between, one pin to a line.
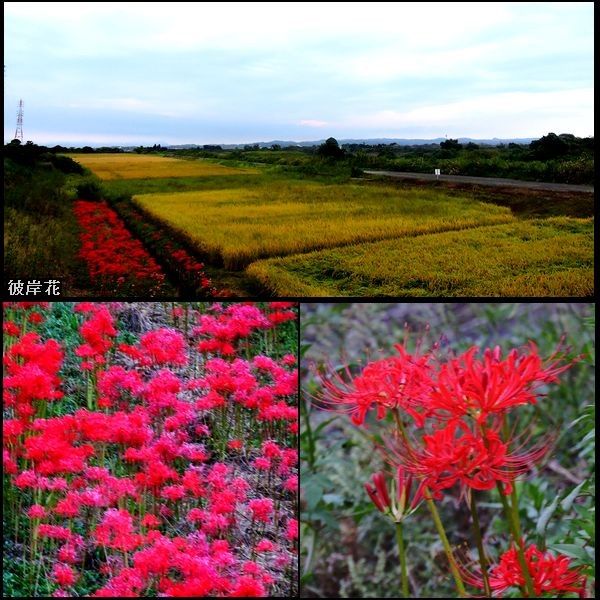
pixel 549 574
pixel 452 429
pixel 159 480
pixel 189 272
pixel 458 406
pixel 116 261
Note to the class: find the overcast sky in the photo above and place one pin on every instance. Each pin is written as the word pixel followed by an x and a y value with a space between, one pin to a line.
pixel 198 72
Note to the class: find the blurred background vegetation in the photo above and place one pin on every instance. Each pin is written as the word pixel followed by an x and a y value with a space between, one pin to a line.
pixel 348 548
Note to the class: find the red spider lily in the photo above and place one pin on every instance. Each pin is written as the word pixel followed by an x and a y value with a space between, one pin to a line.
pixel 63 575
pixel 97 332
pixel 35 318
pixel 164 346
pixel 143 452
pixel 36 512
pixel 11 329
pixel 233 323
pixel 32 374
pixel 116 380
pixel 235 444
pixel 281 312
pixel 480 388
pixel 292 529
pixel 400 382
pixel 550 574
pixel 397 504
pixel 116 531
pixel 54 532
pixel 454 454
pixel 53 450
pixel 69 553
pixel 113 256
pixel 248 587
pixel 291 484
pixel 265 545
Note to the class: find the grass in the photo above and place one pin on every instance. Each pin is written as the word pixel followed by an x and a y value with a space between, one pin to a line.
pixel 549 257
pixel 239 226
pixel 131 187
pixel 144 166
pixel 44 249
pixel 41 237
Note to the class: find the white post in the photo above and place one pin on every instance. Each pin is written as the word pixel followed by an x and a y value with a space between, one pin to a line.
pixel 437 173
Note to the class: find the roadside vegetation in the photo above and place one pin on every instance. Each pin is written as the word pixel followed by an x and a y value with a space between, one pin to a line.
pixel 40 229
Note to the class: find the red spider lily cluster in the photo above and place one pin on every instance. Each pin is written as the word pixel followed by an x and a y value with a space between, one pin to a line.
pixel 190 270
pixel 550 574
pixel 178 477
pixel 116 261
pixel 458 408
pixel 454 429
pixel 174 255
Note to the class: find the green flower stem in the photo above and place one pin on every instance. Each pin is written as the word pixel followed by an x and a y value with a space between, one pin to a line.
pixel 399 424
pixel 513 520
pixel 512 513
pixel 479 540
pixel 460 588
pixel 402 554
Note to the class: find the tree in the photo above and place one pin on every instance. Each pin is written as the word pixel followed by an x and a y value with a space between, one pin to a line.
pixel 549 146
pixel 450 144
pixel 331 149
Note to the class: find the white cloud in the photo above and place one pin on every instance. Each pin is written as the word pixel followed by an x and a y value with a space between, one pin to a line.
pixel 506 114
pixel 313 123
pixel 191 25
pixel 174 108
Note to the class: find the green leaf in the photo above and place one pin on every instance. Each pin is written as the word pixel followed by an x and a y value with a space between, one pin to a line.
pixel 545 516
pixel 327 519
pixel 590 435
pixel 323 424
pixel 304 348
pixel 335 499
pixel 572 550
pixel 567 502
pixel 313 487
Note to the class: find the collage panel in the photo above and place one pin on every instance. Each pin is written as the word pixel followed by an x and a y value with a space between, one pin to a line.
pixel 298 150
pixel 447 450
pixel 150 449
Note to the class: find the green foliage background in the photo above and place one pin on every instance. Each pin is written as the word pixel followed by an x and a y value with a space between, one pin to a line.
pixel 348 548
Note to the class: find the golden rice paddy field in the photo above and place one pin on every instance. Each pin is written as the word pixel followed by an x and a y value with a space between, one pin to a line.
pixel 295 237
pixel 545 257
pixel 239 226
pixel 144 166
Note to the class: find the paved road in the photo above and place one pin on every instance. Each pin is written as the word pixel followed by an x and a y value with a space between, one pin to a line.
pixel 491 181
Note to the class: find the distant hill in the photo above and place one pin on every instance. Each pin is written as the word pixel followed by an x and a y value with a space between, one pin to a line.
pixel 368 141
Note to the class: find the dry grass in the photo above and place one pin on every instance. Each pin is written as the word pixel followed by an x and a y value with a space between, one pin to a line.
pixel 551 257
pixel 145 166
pixel 239 226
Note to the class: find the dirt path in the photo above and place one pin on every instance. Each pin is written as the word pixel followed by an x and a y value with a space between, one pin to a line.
pixel 490 181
